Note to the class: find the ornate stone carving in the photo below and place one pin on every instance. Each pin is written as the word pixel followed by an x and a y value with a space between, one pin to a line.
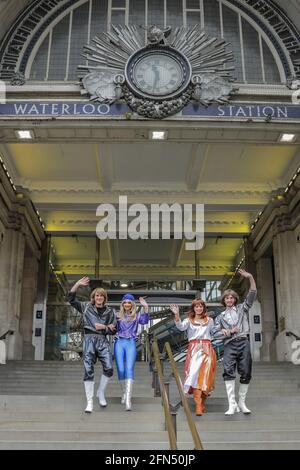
pixel 158 80
pixel 18 79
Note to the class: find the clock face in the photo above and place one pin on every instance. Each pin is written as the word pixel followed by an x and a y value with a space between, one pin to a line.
pixel 158 74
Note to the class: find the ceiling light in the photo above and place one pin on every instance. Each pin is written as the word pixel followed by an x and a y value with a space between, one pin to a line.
pixel 25 134
pixel 158 135
pixel 287 138
pixel 124 284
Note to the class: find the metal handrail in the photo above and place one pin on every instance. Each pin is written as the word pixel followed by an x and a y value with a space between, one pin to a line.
pixel 186 407
pixel 290 333
pixel 155 350
pixel 8 332
pixel 165 400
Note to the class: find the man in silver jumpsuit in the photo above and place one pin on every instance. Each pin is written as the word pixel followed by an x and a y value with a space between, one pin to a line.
pixel 233 325
pixel 99 321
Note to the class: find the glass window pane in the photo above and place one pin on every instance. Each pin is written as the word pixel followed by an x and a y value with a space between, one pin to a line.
pixel 232 35
pixel 39 66
pixel 271 69
pixel 58 59
pixel 192 4
pixel 78 39
pixel 137 12
pixel 174 13
pixel 118 17
pixel 156 12
pixel 212 18
pixel 192 18
pixel 251 53
pixel 99 17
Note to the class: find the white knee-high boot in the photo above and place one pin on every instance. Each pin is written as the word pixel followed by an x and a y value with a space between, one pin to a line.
pixel 242 398
pixel 128 393
pixel 230 389
pixel 102 386
pixel 89 393
pixel 123 388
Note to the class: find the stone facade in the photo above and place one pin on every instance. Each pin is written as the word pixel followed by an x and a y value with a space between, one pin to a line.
pixel 21 235
pixel 276 242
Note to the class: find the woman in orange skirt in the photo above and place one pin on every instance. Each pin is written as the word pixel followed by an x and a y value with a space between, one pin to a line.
pixel 200 364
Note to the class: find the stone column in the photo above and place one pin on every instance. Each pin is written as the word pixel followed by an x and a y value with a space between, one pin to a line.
pixel 266 295
pixel 287 262
pixel 40 305
pixel 11 273
pixel 28 296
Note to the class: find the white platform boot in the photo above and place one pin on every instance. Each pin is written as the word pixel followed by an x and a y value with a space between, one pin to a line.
pixel 233 406
pixel 123 388
pixel 128 393
pixel 242 398
pixel 100 392
pixel 89 393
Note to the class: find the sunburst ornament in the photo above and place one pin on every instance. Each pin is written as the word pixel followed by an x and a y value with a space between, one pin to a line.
pixel 159 79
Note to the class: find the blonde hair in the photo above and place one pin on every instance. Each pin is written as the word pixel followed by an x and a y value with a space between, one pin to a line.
pixel 132 314
pixel 229 292
pixel 98 290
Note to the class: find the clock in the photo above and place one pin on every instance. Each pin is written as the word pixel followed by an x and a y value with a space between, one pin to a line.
pixel 158 73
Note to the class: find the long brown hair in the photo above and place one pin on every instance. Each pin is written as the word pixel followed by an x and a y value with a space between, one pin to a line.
pixel 229 292
pixel 101 291
pixel 191 312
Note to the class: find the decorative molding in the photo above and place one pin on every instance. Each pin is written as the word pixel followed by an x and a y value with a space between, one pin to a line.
pixel 281 215
pixel 115 193
pixel 149 267
pixel 94 221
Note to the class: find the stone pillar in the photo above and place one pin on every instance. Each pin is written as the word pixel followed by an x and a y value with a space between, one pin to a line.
pixel 287 262
pixel 40 305
pixel 266 295
pixel 28 296
pixel 11 273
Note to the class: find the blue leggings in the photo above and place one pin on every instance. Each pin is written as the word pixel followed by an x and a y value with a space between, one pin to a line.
pixel 125 354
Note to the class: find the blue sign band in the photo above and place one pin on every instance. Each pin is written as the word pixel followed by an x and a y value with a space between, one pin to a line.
pixel 231 111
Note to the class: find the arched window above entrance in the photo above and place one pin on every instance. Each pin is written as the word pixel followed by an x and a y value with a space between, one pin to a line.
pixel 52 51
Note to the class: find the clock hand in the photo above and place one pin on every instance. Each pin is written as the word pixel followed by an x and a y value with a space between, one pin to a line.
pixel 156 76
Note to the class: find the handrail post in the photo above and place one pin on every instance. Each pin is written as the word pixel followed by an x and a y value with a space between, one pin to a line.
pixel 160 380
pixel 167 386
pixel 174 420
pixel 155 383
pixel 186 407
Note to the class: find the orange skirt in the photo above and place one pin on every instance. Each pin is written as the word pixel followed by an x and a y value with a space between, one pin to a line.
pixel 200 367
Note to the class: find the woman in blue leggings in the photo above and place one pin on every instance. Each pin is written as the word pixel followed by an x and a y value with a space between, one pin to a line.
pixel 128 321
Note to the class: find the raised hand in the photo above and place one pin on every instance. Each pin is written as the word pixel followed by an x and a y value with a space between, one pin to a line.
pixel 244 273
pixel 143 303
pixel 249 276
pixel 84 281
pixel 175 309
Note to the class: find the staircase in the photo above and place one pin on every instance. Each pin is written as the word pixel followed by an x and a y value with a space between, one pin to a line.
pixel 274 399
pixel 42 407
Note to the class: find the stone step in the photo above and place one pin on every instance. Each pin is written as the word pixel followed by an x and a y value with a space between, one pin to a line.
pixel 67 404
pixel 253 445
pixel 244 436
pixel 74 445
pixel 84 436
pixel 263 416
pixel 109 415
pixel 258 425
